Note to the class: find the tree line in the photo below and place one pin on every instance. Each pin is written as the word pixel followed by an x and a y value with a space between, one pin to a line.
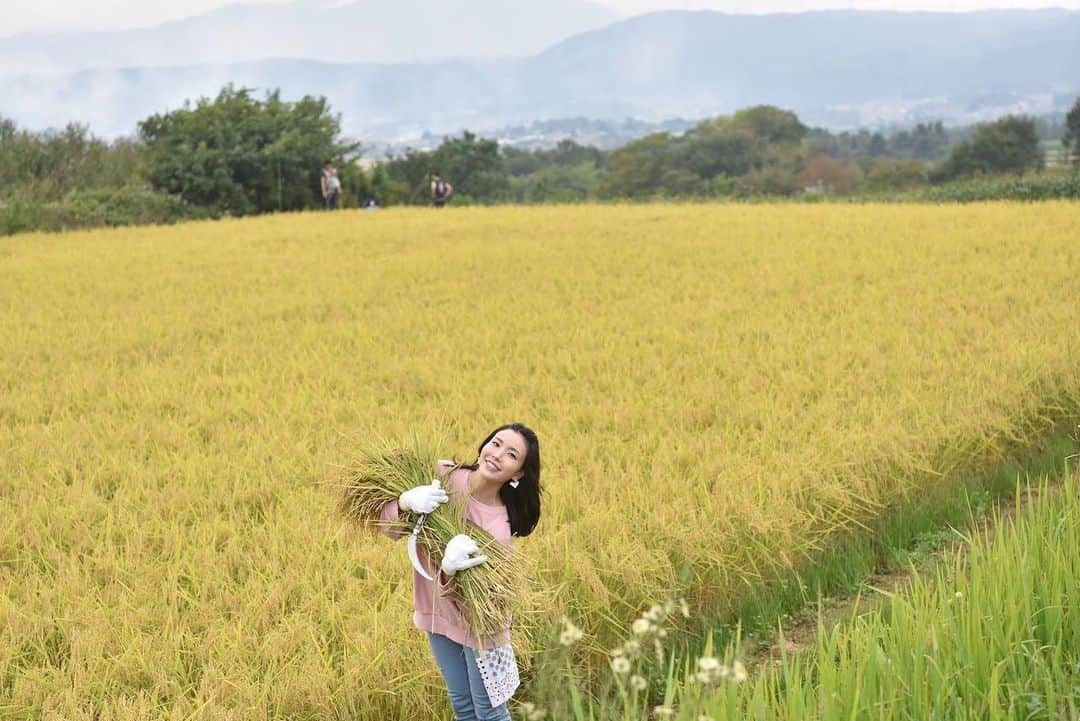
pixel 237 154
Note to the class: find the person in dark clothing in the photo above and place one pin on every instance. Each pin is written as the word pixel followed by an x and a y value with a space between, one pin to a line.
pixel 441 190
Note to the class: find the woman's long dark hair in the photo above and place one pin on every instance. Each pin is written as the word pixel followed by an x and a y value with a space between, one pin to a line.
pixel 523 502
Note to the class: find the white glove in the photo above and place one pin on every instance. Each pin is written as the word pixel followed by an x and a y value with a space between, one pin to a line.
pixel 423 499
pixel 456 558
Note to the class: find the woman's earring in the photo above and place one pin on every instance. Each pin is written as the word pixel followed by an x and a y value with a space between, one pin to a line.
pixel 514 483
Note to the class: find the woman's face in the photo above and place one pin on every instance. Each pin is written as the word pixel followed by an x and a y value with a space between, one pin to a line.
pixel 501 458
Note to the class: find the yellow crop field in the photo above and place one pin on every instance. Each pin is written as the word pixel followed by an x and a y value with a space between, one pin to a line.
pixel 716 389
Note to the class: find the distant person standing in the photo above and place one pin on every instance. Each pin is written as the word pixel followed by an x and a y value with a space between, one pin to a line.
pixel 331 186
pixel 440 190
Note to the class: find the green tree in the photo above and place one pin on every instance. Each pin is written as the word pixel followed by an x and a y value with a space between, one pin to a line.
pixel 386 190
pixel 717 147
pixel 1071 140
pixel 773 180
pixel 238 155
pixel 1007 145
pixel 769 124
pixel 568 153
pixel 762 145
pixel 878 146
pixel 519 163
pixel 887 174
pixel 474 167
pixel 409 176
pixel 926 141
pixel 556 184
pixel 636 170
pixel 48 165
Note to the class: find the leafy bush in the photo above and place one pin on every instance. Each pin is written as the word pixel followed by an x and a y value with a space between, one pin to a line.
pixel 239 155
pixel 127 205
pixel 1029 188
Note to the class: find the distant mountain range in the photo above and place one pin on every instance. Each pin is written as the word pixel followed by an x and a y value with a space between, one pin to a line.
pixel 836 68
pixel 398 31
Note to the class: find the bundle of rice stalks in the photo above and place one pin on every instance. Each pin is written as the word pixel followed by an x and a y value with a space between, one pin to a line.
pixel 381 472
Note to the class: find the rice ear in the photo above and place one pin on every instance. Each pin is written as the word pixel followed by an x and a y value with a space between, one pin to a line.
pixel 380 473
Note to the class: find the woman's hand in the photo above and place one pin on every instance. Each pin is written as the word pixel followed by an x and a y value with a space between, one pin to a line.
pixel 423 499
pixel 456 558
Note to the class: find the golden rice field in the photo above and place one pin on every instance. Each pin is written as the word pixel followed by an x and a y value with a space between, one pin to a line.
pixel 717 389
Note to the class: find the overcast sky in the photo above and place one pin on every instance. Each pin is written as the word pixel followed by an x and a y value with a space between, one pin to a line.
pixel 23 15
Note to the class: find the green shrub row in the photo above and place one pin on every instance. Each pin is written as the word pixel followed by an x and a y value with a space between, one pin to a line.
pixel 1024 188
pixel 97 208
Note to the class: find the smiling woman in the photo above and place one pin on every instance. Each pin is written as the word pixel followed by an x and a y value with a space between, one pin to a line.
pixel 501 491
pixel 507 473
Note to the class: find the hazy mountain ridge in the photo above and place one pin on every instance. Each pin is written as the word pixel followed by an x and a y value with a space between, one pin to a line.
pixel 323 30
pixel 836 68
pixel 814 61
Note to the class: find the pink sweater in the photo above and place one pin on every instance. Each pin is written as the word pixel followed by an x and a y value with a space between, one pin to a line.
pixel 437 607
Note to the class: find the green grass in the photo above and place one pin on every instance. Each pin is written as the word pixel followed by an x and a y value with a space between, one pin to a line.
pixel 992 634
pixel 906 537
pixel 843 565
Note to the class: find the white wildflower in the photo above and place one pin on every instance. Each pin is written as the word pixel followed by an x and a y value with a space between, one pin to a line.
pixel 738 672
pixel 531 712
pixel 620 665
pixel 638 683
pixel 641 626
pixel 708 663
pixel 664 711
pixel 571 634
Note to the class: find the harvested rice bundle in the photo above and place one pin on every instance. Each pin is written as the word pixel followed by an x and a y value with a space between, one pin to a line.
pixel 381 472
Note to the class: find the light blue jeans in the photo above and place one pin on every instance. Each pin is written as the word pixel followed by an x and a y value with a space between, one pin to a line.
pixel 468 697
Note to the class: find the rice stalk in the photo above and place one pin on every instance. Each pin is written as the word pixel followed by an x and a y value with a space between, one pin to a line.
pixel 380 473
